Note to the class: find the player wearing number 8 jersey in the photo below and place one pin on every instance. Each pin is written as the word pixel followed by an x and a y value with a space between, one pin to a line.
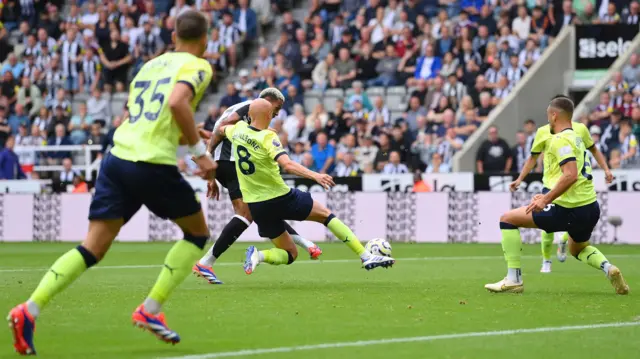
pixel 271 201
pixel 569 206
pixel 141 170
pixel 539 146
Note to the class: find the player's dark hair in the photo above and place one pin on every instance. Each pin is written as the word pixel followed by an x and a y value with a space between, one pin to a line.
pixel 563 103
pixel 529 121
pixel 191 25
pixel 269 97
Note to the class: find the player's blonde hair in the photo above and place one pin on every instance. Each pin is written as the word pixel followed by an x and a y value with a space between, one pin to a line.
pixel 272 92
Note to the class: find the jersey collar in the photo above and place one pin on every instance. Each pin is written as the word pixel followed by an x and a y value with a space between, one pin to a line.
pixel 253 128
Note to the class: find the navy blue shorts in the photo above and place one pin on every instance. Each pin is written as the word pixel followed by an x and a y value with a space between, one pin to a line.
pixel 579 222
pixel 123 187
pixel 270 215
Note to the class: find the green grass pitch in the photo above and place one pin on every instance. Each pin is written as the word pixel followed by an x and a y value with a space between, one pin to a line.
pixel 436 290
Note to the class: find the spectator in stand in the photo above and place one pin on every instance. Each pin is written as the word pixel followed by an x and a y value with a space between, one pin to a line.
pixel 394 166
pixel 519 152
pixel 231 37
pixel 320 47
pixel 343 72
pixel 61 101
pixel 359 95
pixel 366 152
pixel 631 72
pixel 148 46
pixel 384 148
pixel 79 125
pixel 427 66
pixel 305 66
pixel 67 174
pixel 323 154
pixel 632 17
pixel 42 121
pixel 628 145
pixel 481 40
pixel 292 98
pixel 91 71
pixel 494 154
pixel 436 165
pixel 521 25
pixel 90 17
pixel 413 112
pixel 501 91
pixel 530 134
pixel 347 167
pixel 115 58
pixel 107 143
pixel 540 27
pixel 386 69
pixel 13 66
pixel 216 52
pixel 379 111
pixel 611 16
pixel 602 111
pixel 617 88
pixel 58 139
pixel 8 89
pixel 59 117
pixel 366 64
pixel 445 43
pixel 289 25
pixel 246 20
pixel 10 15
pixel 5 129
pixel 180 5
pixel 18 118
pixel 96 137
pixel 99 108
pixel 565 18
pixel 611 134
pixel 298 153
pixel 10 168
pixel 588 15
pixel 485 107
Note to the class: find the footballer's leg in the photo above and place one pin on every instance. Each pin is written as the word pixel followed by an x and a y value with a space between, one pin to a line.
pixel 313 249
pixel 285 252
pixel 546 245
pixel 510 223
pixel 321 214
pixel 583 251
pixel 562 247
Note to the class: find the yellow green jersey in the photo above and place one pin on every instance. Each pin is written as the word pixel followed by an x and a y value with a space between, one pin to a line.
pixel 564 147
pixel 256 153
pixel 150 134
pixel 543 134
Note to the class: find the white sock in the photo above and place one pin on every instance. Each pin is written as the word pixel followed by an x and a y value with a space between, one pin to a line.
pixel 261 257
pixel 208 259
pixel 301 242
pixel 514 275
pixel 546 261
pixel 605 267
pixel 152 306
pixel 33 308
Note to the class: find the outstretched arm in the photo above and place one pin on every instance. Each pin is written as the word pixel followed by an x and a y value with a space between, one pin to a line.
pixel 292 167
pixel 217 137
pixel 526 169
pixel 602 162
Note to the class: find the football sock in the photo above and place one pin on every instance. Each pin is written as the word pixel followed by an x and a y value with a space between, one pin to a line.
pixel 565 237
pixel 275 256
pixel 593 257
pixel 512 248
pixel 297 239
pixel 230 233
pixel 546 243
pixel 62 273
pixel 177 265
pixel 345 234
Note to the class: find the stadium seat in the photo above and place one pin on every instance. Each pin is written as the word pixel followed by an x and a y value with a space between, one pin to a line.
pixel 334 93
pixel 313 93
pixel 395 101
pixel 310 103
pixel 396 90
pixel 329 103
pixel 349 92
pixel 375 91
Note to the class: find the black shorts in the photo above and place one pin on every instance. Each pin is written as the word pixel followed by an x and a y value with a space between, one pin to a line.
pixel 270 215
pixel 123 187
pixel 579 222
pixel 228 177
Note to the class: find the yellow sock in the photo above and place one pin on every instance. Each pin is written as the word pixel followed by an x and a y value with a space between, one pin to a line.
pixel 345 234
pixel 275 256
pixel 546 244
pixel 565 237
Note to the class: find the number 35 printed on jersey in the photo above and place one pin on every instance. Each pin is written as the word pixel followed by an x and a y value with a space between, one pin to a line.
pixel 148 101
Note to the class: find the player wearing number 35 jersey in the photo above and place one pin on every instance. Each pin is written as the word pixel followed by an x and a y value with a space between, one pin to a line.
pixel 570 205
pixel 142 170
pixel 271 201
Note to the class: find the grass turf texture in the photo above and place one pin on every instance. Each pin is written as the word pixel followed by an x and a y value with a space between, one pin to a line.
pixel 306 304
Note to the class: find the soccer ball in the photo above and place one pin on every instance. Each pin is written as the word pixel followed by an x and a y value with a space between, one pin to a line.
pixel 379 247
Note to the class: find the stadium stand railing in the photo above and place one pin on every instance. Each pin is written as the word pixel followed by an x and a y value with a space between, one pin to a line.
pixel 78 152
pixel 592 97
pixel 547 77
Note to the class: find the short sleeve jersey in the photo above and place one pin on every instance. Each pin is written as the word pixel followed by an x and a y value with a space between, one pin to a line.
pixel 256 153
pixel 543 134
pixel 562 148
pixel 150 134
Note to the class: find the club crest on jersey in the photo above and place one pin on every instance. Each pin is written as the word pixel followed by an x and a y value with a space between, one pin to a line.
pixel 276 143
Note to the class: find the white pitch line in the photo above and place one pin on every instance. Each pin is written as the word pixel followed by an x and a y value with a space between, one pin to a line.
pixel 330 261
pixel 429 338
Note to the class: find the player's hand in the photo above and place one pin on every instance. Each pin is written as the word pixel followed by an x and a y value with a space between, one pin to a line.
pixel 537 204
pixel 608 177
pixel 204 134
pixel 206 167
pixel 513 186
pixel 325 181
pixel 213 191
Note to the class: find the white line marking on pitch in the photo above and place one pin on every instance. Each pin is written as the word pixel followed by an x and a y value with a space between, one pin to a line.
pixel 330 261
pixel 429 338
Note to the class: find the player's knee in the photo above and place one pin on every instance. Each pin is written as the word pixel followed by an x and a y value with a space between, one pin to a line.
pixel 576 248
pixel 505 219
pixel 90 259
pixel 199 240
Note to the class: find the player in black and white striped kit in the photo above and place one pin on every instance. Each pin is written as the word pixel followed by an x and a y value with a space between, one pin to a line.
pixel 227 177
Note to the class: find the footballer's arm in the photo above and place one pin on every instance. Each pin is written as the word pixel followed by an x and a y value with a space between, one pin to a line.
pixel 602 163
pixel 529 164
pixel 295 168
pixel 215 140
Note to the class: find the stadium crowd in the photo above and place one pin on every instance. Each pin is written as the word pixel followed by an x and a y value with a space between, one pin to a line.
pixel 398 85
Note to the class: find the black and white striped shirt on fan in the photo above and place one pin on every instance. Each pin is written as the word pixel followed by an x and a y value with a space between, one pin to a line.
pixel 224 152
